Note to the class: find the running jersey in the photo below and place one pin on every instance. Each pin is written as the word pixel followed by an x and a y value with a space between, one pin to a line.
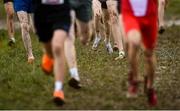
pixel 23 5
pixel 51 10
pixel 141 8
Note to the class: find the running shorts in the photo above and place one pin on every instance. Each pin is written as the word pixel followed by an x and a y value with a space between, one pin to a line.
pixel 146 24
pixel 83 9
pixel 48 18
pixel 23 5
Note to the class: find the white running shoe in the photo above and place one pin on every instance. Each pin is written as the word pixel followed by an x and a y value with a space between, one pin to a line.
pixel 31 59
pixel 109 48
pixel 11 41
pixel 121 55
pixel 96 42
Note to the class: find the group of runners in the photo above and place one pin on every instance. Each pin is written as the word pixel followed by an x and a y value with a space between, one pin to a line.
pixel 132 24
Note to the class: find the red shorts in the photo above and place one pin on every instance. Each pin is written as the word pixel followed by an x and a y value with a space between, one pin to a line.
pixel 147 25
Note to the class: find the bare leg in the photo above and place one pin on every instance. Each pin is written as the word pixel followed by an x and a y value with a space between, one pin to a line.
pixel 106 19
pixel 97 23
pixel 10 22
pixel 161 10
pixel 134 39
pixel 59 38
pixel 150 67
pixel 23 18
pixel 115 27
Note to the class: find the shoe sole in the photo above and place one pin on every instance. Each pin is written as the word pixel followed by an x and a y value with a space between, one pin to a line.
pixel 74 84
pixel 59 101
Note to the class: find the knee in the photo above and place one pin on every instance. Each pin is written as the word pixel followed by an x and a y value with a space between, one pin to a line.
pixel 10 14
pixel 162 2
pixel 134 37
pixel 57 48
pixel 25 26
pixel 149 56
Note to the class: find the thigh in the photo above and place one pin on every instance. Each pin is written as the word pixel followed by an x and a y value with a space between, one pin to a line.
pixel 23 17
pixel 9 8
pixel 112 10
pixel 149 34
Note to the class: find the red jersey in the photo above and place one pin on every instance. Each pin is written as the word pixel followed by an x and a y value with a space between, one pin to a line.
pixel 140 8
pixel 141 15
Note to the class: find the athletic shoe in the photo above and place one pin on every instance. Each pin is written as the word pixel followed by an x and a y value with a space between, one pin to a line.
pixel 115 47
pixel 47 64
pixel 152 97
pixel 96 43
pixel 132 90
pixel 31 60
pixel 121 55
pixel 74 83
pixel 109 48
pixel 11 41
pixel 132 87
pixel 58 97
pixel 161 30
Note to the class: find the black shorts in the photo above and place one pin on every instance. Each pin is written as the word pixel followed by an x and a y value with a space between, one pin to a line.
pixel 5 1
pixel 48 20
pixel 103 4
pixel 45 30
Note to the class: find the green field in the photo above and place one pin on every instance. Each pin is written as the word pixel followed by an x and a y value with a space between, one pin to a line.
pixel 25 86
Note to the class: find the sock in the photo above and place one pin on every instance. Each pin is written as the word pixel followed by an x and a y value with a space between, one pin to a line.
pixel 58 85
pixel 74 73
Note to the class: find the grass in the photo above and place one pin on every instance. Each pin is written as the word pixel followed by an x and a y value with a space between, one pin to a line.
pixel 24 86
pixel 173 9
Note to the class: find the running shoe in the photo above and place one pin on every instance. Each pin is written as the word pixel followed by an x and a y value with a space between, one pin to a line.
pixel 96 43
pixel 47 64
pixel 115 47
pixel 152 97
pixel 121 55
pixel 31 60
pixel 109 48
pixel 11 41
pixel 74 83
pixel 58 98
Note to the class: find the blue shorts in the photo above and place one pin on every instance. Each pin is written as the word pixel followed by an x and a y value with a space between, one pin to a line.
pixel 23 5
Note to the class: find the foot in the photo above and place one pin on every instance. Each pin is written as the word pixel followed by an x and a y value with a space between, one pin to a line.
pixel 47 64
pixel 31 59
pixel 84 40
pixel 74 83
pixel 121 55
pixel 132 90
pixel 115 47
pixel 132 86
pixel 58 98
pixel 11 41
pixel 161 29
pixel 152 97
pixel 109 48
pixel 96 43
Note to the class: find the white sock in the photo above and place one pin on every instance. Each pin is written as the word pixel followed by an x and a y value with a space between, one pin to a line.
pixel 74 73
pixel 58 86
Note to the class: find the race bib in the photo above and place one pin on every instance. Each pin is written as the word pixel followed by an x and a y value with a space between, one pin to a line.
pixel 139 7
pixel 52 2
